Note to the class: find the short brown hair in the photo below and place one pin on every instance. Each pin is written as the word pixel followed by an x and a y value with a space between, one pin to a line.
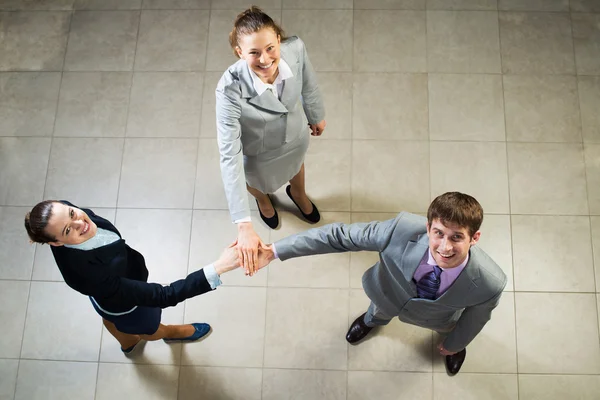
pixel 252 20
pixel 457 208
pixel 36 221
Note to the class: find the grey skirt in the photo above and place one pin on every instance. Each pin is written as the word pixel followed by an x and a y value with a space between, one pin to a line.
pixel 271 170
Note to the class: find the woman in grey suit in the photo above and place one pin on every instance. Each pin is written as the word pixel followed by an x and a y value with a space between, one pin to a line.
pixel 261 101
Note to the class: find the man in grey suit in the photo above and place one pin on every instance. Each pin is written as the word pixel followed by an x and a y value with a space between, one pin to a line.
pixel 428 273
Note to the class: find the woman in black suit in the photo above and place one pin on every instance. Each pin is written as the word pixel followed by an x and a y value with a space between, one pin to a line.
pixel 94 260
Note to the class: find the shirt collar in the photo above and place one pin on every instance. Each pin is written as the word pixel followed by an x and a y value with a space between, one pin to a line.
pixel 431 261
pixel 285 72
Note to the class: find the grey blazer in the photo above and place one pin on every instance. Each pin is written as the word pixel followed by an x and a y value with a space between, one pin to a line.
pixel 252 125
pixel 462 310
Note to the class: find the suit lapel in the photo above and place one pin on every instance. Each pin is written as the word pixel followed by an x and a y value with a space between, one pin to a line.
pixel 466 281
pixel 413 253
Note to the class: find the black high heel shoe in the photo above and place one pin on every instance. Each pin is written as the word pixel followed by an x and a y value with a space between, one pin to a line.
pixel 314 215
pixel 272 222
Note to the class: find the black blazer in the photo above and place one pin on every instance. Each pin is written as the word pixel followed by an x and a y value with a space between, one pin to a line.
pixel 116 275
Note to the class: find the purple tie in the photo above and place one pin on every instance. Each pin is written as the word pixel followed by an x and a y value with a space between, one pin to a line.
pixel 429 284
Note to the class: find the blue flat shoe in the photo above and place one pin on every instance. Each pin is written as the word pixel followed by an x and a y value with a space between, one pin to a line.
pixel 201 331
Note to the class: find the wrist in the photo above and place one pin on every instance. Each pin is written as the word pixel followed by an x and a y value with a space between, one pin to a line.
pixel 244 226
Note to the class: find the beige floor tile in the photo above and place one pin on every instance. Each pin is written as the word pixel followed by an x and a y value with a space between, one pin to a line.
pixel 336 89
pixel 475 387
pixel 24 163
pixel 93 104
pixel 102 41
pixel 317 4
pixel 237 318
pixel 165 104
pixel 592 164
pixel 208 123
pixel 494 349
pixel 34 41
pixel 542 109
pixel 172 40
pixel 557 326
pixel 95 180
pixel 327 35
pixel 555 387
pixel 533 5
pixel 158 173
pixel 589 101
pixel 107 4
pixel 56 380
pixel 466 107
pixel 496 241
pixel 488 182
pixel 365 385
pixel 394 347
pixel 288 384
pixel 209 191
pixel 390 106
pixel 61 324
pixel 361 261
pixel 177 4
pixel 585 5
pixel 485 5
pixel 390 41
pixel 556 190
pixel 242 4
pixel 144 230
pixel 595 221
pixel 156 352
pixel 28 103
pixel 290 311
pixel 212 232
pixel 327 270
pixel 16 252
pixel 37 5
pixel 44 266
pixel 14 295
pixel 389 4
pixel 533 42
pixel 137 382
pixel 8 371
pixel 552 254
pixel 586 39
pixel 220 383
pixel 463 41
pixel 390 176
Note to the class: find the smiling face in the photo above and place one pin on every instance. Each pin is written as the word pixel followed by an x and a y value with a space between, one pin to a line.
pixel 69 225
pixel 261 51
pixel 449 244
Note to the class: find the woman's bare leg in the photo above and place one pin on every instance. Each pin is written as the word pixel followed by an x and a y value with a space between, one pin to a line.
pixel 299 192
pixel 265 205
pixel 170 332
pixel 125 339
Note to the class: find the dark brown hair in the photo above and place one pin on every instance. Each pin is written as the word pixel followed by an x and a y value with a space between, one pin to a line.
pixel 36 221
pixel 457 208
pixel 252 20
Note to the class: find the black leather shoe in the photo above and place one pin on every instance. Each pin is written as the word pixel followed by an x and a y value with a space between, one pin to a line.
pixel 314 215
pixel 272 222
pixel 455 361
pixel 358 330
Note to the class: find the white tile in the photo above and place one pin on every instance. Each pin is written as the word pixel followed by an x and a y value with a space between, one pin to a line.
pixel 16 252
pixel 544 387
pixel 336 88
pixel 61 324
pixel 8 371
pixel 13 295
pixel 280 384
pixel 589 101
pixel 592 169
pixel 366 385
pixel 237 318
pixel 496 241
pixel 595 221
pixel 534 5
pixel 394 347
pixel 586 36
pixel 56 380
pixel 552 254
pixel 137 382
pixel 220 383
pixel 306 328
pixel 151 232
pixel 569 322
pixel 317 4
pixel 326 270
pixel 389 4
pixel 475 387
pixel 176 4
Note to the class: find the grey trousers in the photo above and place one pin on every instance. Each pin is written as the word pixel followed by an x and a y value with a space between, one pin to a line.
pixel 376 317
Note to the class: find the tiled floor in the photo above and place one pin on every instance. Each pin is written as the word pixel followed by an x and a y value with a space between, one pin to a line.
pixel 110 104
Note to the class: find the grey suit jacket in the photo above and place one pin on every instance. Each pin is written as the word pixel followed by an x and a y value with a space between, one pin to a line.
pixel 251 125
pixel 462 310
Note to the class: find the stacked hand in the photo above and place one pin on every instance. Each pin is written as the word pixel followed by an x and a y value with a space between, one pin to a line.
pixel 230 259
